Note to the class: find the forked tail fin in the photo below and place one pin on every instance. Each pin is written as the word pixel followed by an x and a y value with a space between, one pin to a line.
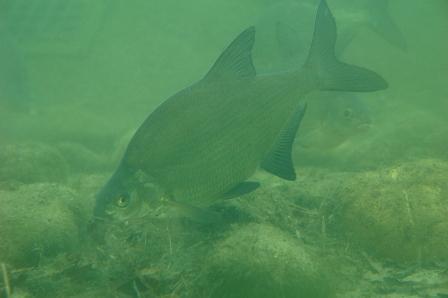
pixel 332 74
pixel 384 25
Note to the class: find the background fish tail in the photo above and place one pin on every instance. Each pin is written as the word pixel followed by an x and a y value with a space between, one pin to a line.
pixel 330 73
pixel 384 25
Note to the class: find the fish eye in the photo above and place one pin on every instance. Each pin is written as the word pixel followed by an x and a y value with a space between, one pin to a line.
pixel 122 201
pixel 348 113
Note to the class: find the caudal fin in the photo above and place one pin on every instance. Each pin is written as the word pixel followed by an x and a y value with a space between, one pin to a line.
pixel 332 74
pixel 384 25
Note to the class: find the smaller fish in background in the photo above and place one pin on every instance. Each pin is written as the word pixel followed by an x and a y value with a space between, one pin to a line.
pixel 375 15
pixel 289 23
pixel 332 119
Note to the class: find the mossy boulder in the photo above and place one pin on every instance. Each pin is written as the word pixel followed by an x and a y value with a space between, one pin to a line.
pixel 258 260
pixel 398 213
pixel 36 220
pixel 31 163
pixel 81 159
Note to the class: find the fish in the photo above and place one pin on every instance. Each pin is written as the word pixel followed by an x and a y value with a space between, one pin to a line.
pixel 376 16
pixel 285 30
pixel 333 119
pixel 204 143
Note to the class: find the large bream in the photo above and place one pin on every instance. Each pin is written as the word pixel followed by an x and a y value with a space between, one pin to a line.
pixel 203 143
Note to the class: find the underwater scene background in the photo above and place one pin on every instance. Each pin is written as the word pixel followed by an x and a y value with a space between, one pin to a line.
pixel 366 216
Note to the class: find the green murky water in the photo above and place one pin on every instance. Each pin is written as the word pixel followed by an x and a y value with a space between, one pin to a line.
pixel 366 216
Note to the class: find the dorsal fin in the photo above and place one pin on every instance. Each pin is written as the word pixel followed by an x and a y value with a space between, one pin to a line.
pixel 236 60
pixel 279 159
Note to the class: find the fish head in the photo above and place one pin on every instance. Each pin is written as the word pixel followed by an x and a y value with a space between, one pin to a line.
pixel 125 196
pixel 116 203
pixel 349 114
pixel 334 119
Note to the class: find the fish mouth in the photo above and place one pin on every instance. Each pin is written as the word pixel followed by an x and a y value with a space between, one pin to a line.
pixel 96 229
pixel 99 212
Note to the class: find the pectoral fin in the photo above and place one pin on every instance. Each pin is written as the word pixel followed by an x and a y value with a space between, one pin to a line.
pixel 279 159
pixel 241 189
pixel 202 216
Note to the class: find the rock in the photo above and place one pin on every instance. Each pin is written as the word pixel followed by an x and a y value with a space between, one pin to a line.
pixel 259 260
pixel 31 163
pixel 398 213
pixel 81 159
pixel 35 221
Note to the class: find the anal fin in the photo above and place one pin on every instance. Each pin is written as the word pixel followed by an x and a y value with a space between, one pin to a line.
pixel 279 159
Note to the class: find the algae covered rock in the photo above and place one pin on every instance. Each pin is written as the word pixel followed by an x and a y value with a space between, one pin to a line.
pixel 259 260
pixel 83 160
pixel 399 213
pixel 35 221
pixel 31 163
